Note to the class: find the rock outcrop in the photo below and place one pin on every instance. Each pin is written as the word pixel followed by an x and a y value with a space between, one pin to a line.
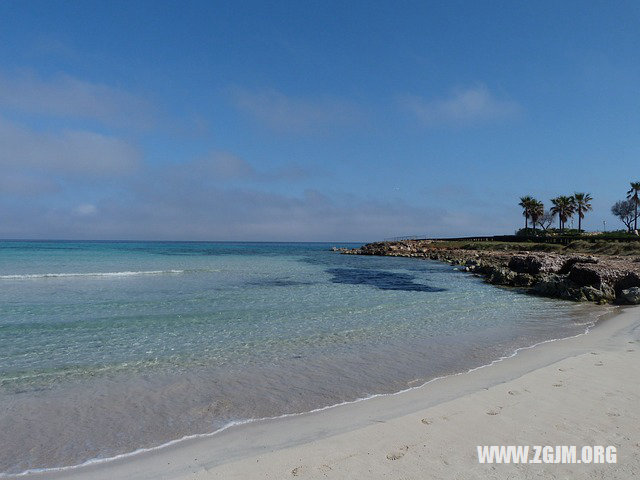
pixel 535 264
pixel 579 278
pixel 631 296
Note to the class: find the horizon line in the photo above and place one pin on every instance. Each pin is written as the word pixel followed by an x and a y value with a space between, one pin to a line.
pixel 169 241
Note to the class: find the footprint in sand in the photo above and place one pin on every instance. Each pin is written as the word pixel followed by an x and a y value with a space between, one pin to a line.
pixel 599 364
pixel 613 414
pixel 594 353
pixel 493 412
pixel 513 392
pixel 296 471
pixel 559 384
pixel 630 350
pixel 399 454
pixel 426 421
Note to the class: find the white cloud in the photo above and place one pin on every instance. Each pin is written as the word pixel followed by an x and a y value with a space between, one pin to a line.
pixel 66 96
pixel 218 214
pixel 85 209
pixel 295 114
pixel 462 107
pixel 182 202
pixel 68 152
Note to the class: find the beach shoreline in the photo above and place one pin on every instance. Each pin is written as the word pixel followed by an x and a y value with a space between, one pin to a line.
pixel 365 437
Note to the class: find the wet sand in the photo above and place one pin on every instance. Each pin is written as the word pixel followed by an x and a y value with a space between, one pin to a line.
pixel 578 391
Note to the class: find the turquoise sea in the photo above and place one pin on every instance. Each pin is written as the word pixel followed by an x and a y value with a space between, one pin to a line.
pixel 108 347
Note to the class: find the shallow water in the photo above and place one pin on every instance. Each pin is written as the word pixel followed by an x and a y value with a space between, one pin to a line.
pixel 109 347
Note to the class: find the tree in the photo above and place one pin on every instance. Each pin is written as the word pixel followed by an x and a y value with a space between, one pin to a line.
pixel 632 195
pixel 625 210
pixel 536 210
pixel 546 219
pixel 582 203
pixel 525 203
pixel 564 207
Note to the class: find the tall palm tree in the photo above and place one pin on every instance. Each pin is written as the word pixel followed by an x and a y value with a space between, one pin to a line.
pixel 564 207
pixel 536 210
pixel 582 203
pixel 633 195
pixel 525 203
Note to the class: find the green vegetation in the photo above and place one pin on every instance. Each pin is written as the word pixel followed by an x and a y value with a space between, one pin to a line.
pixel 565 207
pixel 531 208
pixel 632 195
pixel 582 203
pixel 601 247
pixel 625 211
pixel 605 247
pixel 525 203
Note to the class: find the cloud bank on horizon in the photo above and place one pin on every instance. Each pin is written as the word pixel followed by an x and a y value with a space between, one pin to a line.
pixel 358 124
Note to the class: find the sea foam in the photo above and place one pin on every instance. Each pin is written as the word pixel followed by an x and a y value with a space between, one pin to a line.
pixel 90 274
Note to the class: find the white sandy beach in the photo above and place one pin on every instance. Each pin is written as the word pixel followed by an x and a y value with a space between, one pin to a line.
pixel 578 391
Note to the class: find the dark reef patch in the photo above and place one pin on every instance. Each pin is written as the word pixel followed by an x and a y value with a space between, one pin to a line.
pixel 382 279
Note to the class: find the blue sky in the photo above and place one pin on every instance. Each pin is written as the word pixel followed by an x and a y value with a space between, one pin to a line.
pixel 315 120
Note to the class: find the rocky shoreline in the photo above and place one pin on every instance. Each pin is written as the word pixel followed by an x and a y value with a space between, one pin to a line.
pixel 583 278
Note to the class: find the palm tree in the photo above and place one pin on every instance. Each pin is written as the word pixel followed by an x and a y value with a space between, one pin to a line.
pixel 525 203
pixel 582 203
pixel 633 195
pixel 564 207
pixel 536 211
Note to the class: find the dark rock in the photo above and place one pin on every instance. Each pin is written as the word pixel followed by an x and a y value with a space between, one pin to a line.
pixel 522 264
pixel 558 287
pixel 626 280
pixel 566 266
pixel 534 264
pixel 501 276
pixel 630 296
pixel 584 275
pixel 604 295
pixel 523 280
